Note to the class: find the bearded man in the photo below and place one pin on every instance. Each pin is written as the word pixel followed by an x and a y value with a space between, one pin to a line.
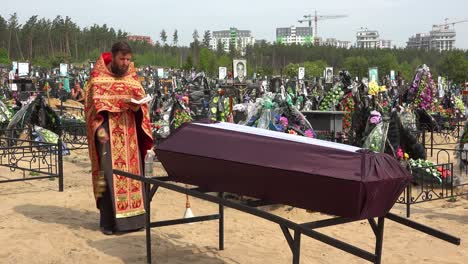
pixel 119 134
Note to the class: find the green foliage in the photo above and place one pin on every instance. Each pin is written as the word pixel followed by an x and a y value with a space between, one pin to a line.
pixel 219 48
pixel 357 61
pixel 94 54
pixel 406 70
pixel 175 38
pixel 264 71
pixel 48 42
pixel 4 56
pixel 455 65
pixel 291 70
pixel 314 68
pixel 163 36
pixel 224 61
pixel 60 58
pixel 188 64
pixel 155 58
pixel 206 39
pixel 357 66
pixel 42 62
pixel 207 61
pixel 385 63
pixel 233 52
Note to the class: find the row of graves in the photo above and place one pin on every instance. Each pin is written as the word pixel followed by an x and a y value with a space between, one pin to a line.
pixel 39 123
pixel 422 124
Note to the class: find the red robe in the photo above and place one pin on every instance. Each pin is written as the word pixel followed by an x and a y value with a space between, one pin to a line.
pixel 129 132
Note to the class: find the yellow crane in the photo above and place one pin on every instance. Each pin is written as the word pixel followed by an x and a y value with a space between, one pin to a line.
pixel 309 18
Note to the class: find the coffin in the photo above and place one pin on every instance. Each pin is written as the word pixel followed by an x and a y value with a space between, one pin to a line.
pixel 287 169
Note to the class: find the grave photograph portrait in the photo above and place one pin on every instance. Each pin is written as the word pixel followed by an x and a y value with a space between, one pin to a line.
pixel 329 75
pixel 240 70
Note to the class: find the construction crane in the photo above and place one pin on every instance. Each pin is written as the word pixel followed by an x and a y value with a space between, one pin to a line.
pixel 309 18
pixel 447 24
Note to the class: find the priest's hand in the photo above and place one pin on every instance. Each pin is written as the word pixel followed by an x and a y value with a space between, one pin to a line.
pixel 102 135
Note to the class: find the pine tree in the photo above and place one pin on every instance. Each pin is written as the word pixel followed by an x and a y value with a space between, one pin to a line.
pixel 206 39
pixel 163 37
pixel 175 38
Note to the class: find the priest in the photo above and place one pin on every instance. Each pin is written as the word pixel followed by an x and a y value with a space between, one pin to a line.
pixel 119 134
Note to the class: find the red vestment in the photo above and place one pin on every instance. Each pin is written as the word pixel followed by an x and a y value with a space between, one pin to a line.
pixel 129 132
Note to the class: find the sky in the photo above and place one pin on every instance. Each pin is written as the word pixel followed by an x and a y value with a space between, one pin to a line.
pixel 395 20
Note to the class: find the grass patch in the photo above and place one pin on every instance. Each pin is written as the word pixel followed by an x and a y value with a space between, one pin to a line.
pixel 452 199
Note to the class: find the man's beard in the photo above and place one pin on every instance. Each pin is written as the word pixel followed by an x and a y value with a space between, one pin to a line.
pixel 119 71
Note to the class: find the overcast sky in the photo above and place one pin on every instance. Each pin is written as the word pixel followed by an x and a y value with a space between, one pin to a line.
pixel 394 19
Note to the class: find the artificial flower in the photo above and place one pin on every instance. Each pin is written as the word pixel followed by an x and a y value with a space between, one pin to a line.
pixel 284 121
pixel 374 88
pixel 375 118
pixel 399 153
pixel 309 133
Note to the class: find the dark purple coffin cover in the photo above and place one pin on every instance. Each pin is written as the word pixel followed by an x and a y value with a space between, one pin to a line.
pixel 323 178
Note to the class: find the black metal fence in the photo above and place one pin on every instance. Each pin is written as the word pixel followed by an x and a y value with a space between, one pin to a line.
pixel 20 151
pixel 428 187
pixel 74 136
pixel 442 145
pixel 439 137
pixel 41 160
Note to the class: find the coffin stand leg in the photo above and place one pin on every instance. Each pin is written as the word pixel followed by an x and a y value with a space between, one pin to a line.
pixel 148 221
pixel 221 223
pixel 297 247
pixel 379 240
pixel 408 200
pixel 294 244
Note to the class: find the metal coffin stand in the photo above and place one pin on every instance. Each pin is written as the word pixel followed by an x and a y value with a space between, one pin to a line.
pixel 294 241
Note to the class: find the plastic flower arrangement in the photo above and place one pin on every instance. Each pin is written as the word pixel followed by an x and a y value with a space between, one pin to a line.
pixel 459 104
pixel 309 133
pixel 375 117
pixel 5 113
pixel 180 117
pixel 420 93
pixel 448 113
pixel 185 100
pixel 386 106
pixel 331 99
pixel 406 156
pixel 46 135
pixel 444 173
pixel 284 121
pixel 220 108
pixel 427 171
pixel 425 96
pixel 376 139
pixel 347 105
pixel 401 155
pixel 375 89
pixel 281 123
pixel 275 113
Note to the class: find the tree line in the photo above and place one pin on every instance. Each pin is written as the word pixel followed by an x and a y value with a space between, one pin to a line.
pixel 48 42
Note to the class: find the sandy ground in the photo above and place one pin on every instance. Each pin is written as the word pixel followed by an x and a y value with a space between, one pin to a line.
pixel 38 224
